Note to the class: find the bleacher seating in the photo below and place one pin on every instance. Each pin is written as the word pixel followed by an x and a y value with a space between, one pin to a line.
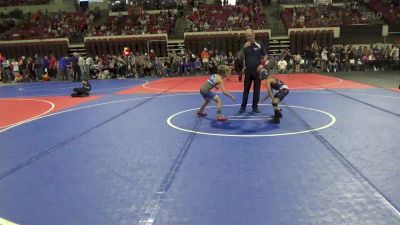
pixel 5 3
pixel 224 18
pixel 53 25
pixel 387 10
pixel 162 22
pixel 321 16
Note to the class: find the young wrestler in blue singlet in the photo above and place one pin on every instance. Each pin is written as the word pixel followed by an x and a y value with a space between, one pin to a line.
pixel 215 81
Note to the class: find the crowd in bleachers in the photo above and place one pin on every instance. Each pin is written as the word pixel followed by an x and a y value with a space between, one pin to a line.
pixel 120 6
pixel 323 16
pixel 41 25
pixel 6 24
pixel 246 14
pixel 223 18
pixel 4 3
pixel 112 66
pixel 78 24
pixel 296 1
pixel 162 22
pixel 388 9
pixel 342 58
pixel 314 59
pixel 159 5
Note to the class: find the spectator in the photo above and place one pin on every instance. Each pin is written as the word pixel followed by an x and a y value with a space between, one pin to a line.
pixel 75 67
pixel 239 67
pixel 40 66
pixel 64 62
pixel 23 66
pixel 324 59
pixel 204 59
pixel 309 57
pixel 230 58
pixel 213 64
pixel 81 64
pixel 32 69
pixel 148 68
pixel 197 66
pixel 287 56
pixel 351 58
pixel 314 46
pixel 282 66
pixel 6 70
pixel 394 53
pixel 89 65
pixel 15 71
pixel 181 63
pixel 53 67
pixel 332 63
pixel 153 56
pixel 297 62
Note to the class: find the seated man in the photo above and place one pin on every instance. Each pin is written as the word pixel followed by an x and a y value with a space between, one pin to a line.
pixel 332 63
pixel 282 65
pixel 82 91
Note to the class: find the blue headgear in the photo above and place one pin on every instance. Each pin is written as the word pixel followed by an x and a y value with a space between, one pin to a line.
pixel 264 74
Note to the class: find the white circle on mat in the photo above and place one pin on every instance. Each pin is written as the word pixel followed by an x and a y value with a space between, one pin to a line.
pixel 332 121
pixel 51 104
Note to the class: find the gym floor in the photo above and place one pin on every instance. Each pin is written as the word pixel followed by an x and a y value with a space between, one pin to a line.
pixel 135 152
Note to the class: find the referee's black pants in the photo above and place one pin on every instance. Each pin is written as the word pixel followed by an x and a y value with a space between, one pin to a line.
pixel 251 77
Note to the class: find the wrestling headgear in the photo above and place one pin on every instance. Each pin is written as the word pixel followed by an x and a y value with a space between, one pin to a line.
pixel 264 74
